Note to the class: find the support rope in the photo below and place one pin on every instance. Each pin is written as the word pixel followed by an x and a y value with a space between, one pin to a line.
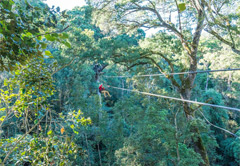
pixel 217 126
pixel 178 99
pixel 179 73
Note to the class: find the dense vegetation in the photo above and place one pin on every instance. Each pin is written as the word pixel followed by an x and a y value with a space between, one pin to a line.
pixel 52 63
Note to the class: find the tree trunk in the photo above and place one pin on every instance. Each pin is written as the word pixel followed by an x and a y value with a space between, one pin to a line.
pixel 176 138
pixel 89 159
pixel 229 81
pixel 206 87
pixel 188 84
pixel 197 140
pixel 100 100
pixel 185 92
pixel 99 155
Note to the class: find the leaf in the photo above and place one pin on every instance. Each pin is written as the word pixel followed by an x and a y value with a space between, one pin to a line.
pixel 39 37
pixel 28 34
pixel 67 44
pixel 58 9
pixel 48 53
pixel 64 12
pixel 49 132
pixel 5 83
pixel 62 130
pixel 44 45
pixel 11 2
pixel 17 72
pixel 37 8
pixel 2 109
pixel 72 126
pixel 182 7
pixel 50 37
pixel 75 132
pixel 35 121
pixel 64 35
pixel 2 118
pixel 63 22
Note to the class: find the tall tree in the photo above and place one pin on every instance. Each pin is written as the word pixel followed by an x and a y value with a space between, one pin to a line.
pixel 152 14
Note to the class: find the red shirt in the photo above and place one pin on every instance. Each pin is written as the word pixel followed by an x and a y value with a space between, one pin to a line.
pixel 101 88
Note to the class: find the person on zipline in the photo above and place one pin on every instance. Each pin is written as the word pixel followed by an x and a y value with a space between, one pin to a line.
pixel 102 90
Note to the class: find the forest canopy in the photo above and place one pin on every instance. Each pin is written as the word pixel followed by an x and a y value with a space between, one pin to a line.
pixel 120 82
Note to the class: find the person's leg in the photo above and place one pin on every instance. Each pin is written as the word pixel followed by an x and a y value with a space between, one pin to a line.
pixel 108 93
pixel 104 93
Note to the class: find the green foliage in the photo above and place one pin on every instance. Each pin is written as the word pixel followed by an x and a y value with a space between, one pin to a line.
pixel 182 7
pixel 28 91
pixel 76 120
pixel 40 150
pixel 38 124
pixel 22 27
pixel 26 95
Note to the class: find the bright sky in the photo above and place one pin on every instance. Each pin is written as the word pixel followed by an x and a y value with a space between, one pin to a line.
pixel 70 4
pixel 65 4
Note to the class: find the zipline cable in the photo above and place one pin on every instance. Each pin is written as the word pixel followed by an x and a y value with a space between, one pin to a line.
pixel 179 73
pixel 178 99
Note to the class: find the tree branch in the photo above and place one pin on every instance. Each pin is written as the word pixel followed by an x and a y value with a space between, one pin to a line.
pixel 223 40
pixel 64 66
pixel 59 31
pixel 166 59
pixel 198 31
pixel 136 64
pixel 179 17
pixel 169 77
pixel 164 24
